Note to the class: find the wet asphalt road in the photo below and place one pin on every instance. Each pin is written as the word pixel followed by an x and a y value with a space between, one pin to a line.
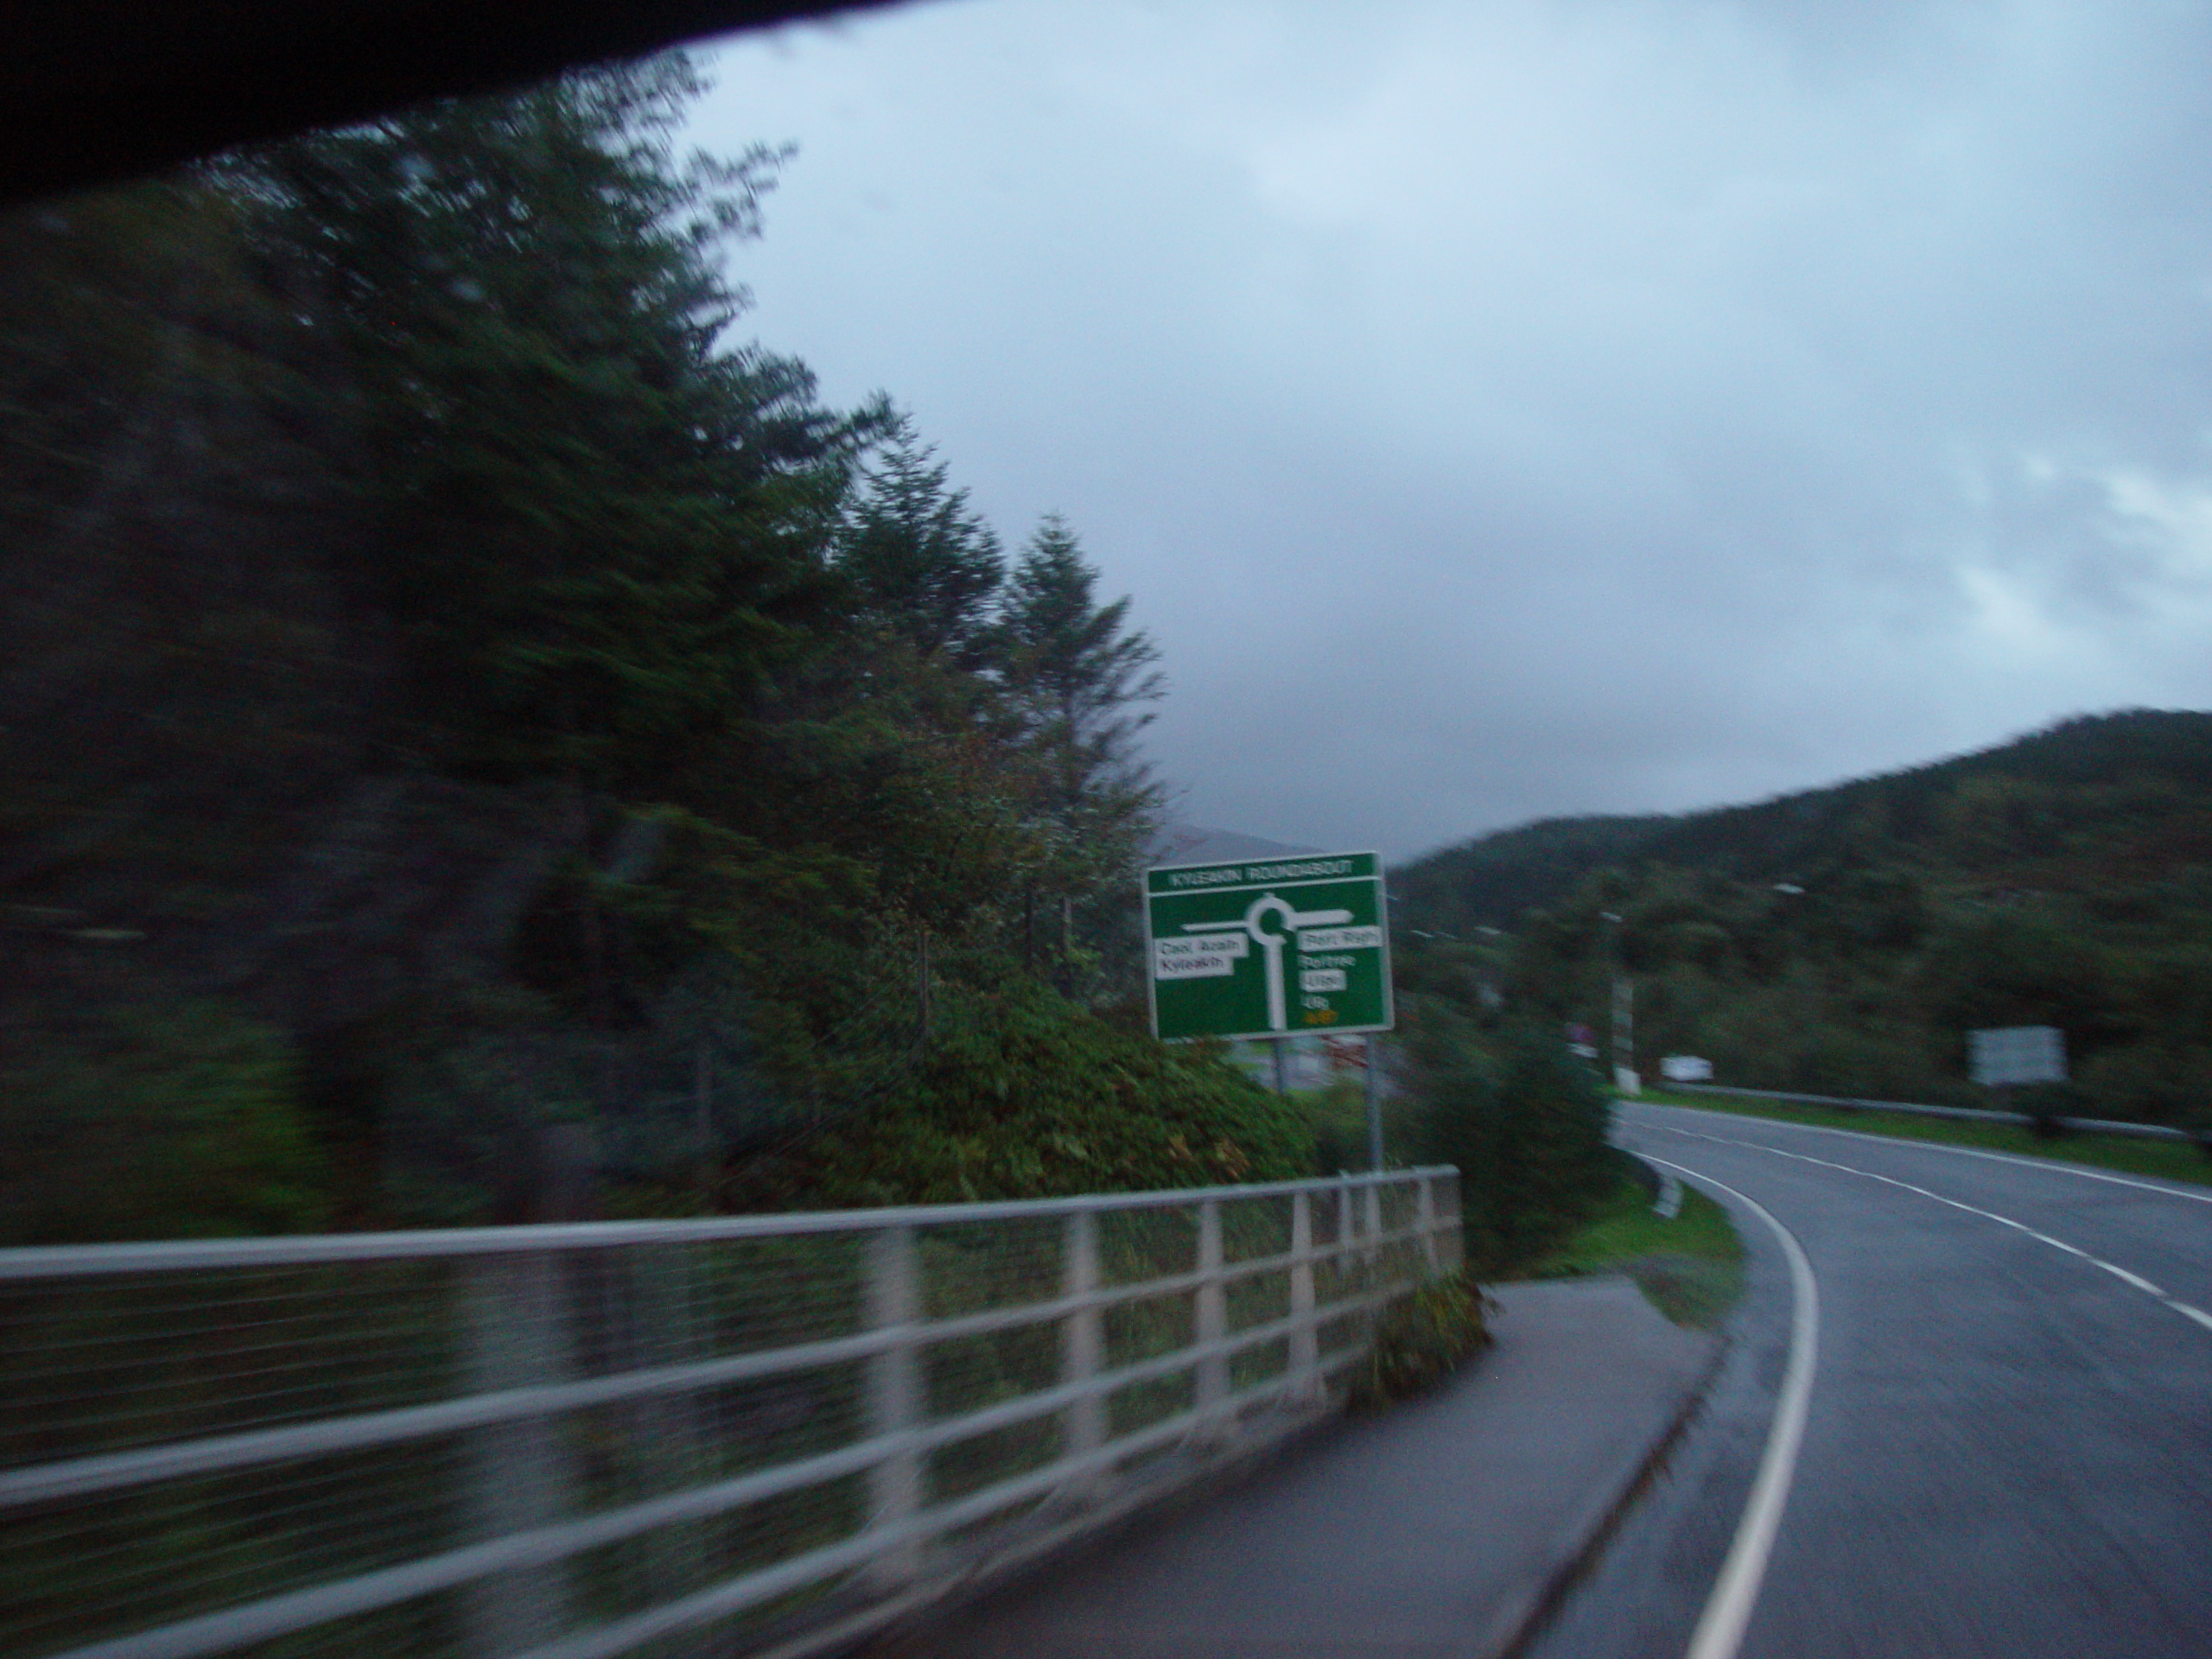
pixel 2009 1450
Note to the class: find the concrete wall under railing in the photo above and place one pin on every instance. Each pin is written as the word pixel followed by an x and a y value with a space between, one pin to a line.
pixel 2072 1125
pixel 765 1434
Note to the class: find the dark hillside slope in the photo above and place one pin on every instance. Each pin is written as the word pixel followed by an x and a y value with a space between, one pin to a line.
pixel 1489 881
pixel 1847 939
pixel 2111 771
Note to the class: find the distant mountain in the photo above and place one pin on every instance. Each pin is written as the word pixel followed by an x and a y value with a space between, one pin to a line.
pixel 1846 939
pixel 2159 763
pixel 1489 881
pixel 1190 843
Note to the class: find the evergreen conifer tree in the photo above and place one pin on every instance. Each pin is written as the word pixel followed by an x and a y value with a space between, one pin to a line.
pixel 597 522
pixel 923 567
pixel 1079 674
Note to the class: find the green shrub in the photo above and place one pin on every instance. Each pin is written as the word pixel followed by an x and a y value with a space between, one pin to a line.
pixel 171 1122
pixel 2047 1105
pixel 2147 1082
pixel 1021 1093
pixel 1421 1339
pixel 1527 1128
pixel 1339 1115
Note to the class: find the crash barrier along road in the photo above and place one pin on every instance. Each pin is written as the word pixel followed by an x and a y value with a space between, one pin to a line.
pixel 761 1434
pixel 1960 1114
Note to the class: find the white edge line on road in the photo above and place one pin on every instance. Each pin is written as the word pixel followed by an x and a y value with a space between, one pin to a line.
pixel 2119 1273
pixel 1736 1591
pixel 2134 1279
pixel 2196 1313
pixel 2056 1166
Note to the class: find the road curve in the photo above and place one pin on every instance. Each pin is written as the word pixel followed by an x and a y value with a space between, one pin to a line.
pixel 2008 1448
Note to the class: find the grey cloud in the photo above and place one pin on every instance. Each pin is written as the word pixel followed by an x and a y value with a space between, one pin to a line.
pixel 1541 407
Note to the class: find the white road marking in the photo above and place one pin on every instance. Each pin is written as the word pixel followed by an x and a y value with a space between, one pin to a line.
pixel 2127 1278
pixel 1736 1591
pixel 2052 1165
pixel 2114 1269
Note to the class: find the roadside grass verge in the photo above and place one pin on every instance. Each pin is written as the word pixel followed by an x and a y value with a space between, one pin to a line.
pixel 2171 1160
pixel 1691 1268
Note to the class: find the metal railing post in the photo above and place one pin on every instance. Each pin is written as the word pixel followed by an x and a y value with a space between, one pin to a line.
pixel 1213 1320
pixel 1082 1334
pixel 518 1475
pixel 1304 1335
pixel 1430 1254
pixel 894 1304
pixel 1453 1242
pixel 1348 1275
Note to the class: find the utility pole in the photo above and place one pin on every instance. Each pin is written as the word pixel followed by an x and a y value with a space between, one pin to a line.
pixel 1625 1075
pixel 1624 1010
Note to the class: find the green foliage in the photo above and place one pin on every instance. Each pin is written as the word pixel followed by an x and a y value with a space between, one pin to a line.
pixel 1338 1112
pixel 2151 1082
pixel 1492 881
pixel 1339 1115
pixel 1076 676
pixel 434 640
pixel 922 566
pixel 181 665
pixel 1021 1095
pixel 600 530
pixel 1077 673
pixel 2047 1105
pixel 1526 1123
pixel 153 1123
pixel 1420 1339
pixel 1845 941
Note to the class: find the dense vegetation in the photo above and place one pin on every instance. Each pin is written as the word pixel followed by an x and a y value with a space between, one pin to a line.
pixel 483 742
pixel 1524 1120
pixel 1845 940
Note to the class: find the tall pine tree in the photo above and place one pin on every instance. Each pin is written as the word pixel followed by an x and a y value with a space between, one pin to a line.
pixel 598 524
pixel 1077 676
pixel 923 566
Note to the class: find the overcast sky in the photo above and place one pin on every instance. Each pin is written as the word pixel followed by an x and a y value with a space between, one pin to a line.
pixel 1499 410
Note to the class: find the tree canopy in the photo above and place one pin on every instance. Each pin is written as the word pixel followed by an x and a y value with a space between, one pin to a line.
pixel 1846 940
pixel 538 727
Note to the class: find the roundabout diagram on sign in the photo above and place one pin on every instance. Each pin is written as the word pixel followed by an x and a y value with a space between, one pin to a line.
pixel 1268 948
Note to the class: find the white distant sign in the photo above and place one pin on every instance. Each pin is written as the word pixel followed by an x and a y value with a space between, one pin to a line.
pixel 1686 1068
pixel 2009 1054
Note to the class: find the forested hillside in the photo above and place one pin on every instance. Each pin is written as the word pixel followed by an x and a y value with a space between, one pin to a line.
pixel 1844 940
pixel 484 742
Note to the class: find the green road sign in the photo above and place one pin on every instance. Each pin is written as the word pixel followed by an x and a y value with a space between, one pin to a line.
pixel 1268 947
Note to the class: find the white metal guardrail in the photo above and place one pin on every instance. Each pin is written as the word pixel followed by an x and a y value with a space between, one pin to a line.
pixel 761 1435
pixel 1966 1114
